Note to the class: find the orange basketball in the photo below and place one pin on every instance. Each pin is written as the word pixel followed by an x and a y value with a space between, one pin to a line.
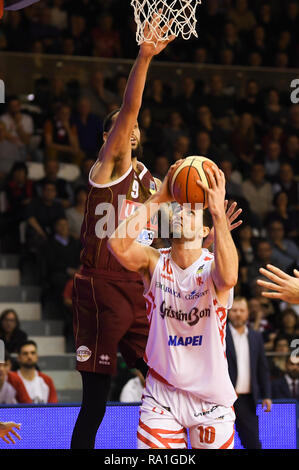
pixel 182 180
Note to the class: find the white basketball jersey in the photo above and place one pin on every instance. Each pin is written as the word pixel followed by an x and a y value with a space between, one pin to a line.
pixel 186 343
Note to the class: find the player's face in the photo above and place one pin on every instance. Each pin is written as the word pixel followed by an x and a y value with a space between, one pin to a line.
pixel 238 314
pixel 28 356
pixel 134 139
pixel 187 223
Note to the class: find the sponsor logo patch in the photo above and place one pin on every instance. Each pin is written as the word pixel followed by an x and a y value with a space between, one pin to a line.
pixel 83 354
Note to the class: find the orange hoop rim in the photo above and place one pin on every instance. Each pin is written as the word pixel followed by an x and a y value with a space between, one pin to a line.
pixel 1 8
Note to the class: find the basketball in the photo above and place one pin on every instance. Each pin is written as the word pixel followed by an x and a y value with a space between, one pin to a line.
pixel 182 180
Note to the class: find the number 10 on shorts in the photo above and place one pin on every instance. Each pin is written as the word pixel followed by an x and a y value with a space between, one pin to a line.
pixel 207 434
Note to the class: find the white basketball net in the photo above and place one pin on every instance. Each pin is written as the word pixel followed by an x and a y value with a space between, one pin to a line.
pixel 181 14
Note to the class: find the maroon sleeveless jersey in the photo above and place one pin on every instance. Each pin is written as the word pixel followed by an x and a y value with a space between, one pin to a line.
pixel 106 206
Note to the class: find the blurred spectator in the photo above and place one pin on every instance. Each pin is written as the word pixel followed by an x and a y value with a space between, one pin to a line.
pixel 42 212
pixel 158 101
pixel 43 30
pixel 85 167
pixel 274 134
pixel 287 386
pixel 99 96
pixel 285 251
pixel 259 43
pixel 187 99
pixel 58 15
pixel 61 260
pixel 243 140
pixel 7 392
pixel 271 160
pixel 79 34
pixel 258 191
pixel 89 127
pixel 219 103
pixel 249 372
pixel 291 152
pixel 19 126
pixel 286 182
pixel 9 152
pixel 174 128
pixel 291 20
pixel 242 17
pixel 75 214
pixel 132 390
pixel 161 167
pixel 204 121
pixel 251 102
pixel 12 390
pixel 64 192
pixel 245 245
pixel 106 38
pixel 262 256
pixel 288 324
pixel 288 217
pixel 232 189
pixel 40 387
pixel 61 137
pixel 293 120
pixel 204 147
pixel 277 362
pixel 262 318
pixel 18 191
pixel 230 41
pixel 274 112
pixel 16 32
pixel 10 331
pixel 181 149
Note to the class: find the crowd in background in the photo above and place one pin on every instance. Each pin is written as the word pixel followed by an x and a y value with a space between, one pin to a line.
pixel 254 138
pixel 256 33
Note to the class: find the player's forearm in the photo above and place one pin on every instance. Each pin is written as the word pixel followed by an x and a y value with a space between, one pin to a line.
pixel 225 254
pixel 128 230
pixel 132 99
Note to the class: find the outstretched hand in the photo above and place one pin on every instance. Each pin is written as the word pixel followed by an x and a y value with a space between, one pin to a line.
pixel 232 213
pixel 282 286
pixel 6 429
pixel 153 30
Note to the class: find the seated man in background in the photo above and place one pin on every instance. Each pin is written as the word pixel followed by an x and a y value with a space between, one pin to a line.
pixel 12 390
pixel 39 386
pixel 287 386
pixel 63 188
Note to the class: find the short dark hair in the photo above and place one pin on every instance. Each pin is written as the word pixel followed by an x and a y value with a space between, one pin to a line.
pixel 108 121
pixel 29 342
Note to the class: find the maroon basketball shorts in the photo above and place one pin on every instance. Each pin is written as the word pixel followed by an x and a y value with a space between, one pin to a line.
pixel 109 315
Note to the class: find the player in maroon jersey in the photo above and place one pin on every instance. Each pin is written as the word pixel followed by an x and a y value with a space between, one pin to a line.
pixel 108 303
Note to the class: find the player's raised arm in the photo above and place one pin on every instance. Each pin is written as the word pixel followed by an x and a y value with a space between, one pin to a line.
pixel 122 243
pixel 115 155
pixel 225 266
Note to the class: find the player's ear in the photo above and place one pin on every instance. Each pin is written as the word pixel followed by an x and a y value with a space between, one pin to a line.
pixel 105 135
pixel 205 231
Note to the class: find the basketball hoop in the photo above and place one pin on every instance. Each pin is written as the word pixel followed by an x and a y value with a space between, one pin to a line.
pixel 1 8
pixel 180 15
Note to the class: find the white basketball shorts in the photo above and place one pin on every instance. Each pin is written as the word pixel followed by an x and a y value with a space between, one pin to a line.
pixel 166 413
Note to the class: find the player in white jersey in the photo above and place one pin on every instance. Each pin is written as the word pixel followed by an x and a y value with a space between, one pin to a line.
pixel 188 291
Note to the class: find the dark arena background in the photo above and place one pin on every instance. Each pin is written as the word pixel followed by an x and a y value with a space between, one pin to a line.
pixel 232 95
